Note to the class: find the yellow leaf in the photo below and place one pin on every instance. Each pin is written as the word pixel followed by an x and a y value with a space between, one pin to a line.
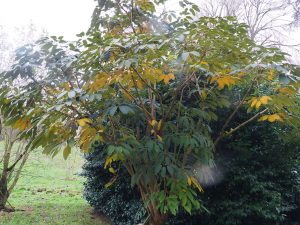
pixel 258 104
pixel 66 86
pixel 223 80
pixel 203 94
pixel 159 125
pixel 196 184
pixel 189 180
pixel 271 74
pixel 22 124
pixel 139 84
pixel 100 81
pixel 166 78
pixel 87 135
pixel 264 99
pixel 153 123
pixel 274 117
pixel 288 91
pixel 254 101
pixel 171 76
pixel 84 121
pixel 112 170
pixel 113 158
pixel 263 118
pixel 204 63
pixel 159 138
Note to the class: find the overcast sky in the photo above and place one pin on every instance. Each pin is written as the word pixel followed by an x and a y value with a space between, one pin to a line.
pixel 57 17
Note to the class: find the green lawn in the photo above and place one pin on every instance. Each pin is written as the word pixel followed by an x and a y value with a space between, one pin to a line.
pixel 50 192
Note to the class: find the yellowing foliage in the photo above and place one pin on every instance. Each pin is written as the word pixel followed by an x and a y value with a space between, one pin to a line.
pixel 153 123
pixel 204 63
pixel 84 121
pixel 257 102
pixel 224 80
pixel 113 158
pixel 192 181
pixel 139 84
pixel 241 74
pixel 288 91
pixel 66 86
pixel 87 135
pixel 150 74
pixel 272 118
pixel 271 74
pixel 22 124
pixel 156 127
pixel 100 81
pixel 166 77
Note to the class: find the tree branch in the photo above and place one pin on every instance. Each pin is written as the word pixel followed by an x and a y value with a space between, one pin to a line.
pixel 233 114
pixel 244 123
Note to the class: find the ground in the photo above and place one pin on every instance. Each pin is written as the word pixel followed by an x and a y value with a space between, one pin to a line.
pixel 50 192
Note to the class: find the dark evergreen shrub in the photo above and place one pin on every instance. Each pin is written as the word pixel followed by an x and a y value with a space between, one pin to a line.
pixel 261 184
pixel 120 202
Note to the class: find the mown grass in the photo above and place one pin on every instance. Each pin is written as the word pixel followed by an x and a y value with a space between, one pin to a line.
pixel 50 192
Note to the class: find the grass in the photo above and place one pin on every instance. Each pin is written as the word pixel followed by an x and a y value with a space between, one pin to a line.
pixel 50 192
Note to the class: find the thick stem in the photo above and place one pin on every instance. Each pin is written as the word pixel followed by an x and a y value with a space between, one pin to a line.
pixel 157 218
pixel 4 194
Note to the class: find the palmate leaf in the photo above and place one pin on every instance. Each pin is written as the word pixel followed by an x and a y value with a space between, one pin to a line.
pixel 224 80
pixel 257 102
pixel 272 118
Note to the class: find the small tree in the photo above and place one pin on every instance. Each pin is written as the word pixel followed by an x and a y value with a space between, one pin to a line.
pixel 148 86
pixel 12 161
pixel 10 168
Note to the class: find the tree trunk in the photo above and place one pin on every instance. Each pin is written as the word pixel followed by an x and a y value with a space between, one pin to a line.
pixel 156 217
pixel 4 194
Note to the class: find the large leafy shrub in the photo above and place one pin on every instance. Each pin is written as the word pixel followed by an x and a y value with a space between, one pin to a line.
pixel 148 87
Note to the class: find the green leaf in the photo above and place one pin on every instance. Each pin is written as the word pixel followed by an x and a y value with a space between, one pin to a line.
pixel 125 109
pixel 67 152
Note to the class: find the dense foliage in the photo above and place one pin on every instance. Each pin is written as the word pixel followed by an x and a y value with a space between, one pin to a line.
pixel 120 202
pixel 260 185
pixel 148 87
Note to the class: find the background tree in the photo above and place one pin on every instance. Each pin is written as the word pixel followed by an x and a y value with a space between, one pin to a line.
pixel 271 22
pixel 13 156
pixel 267 19
pixel 12 163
